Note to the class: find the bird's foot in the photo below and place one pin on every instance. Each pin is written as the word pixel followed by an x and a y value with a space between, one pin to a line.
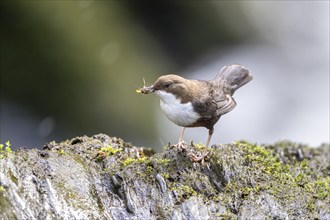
pixel 181 146
pixel 194 158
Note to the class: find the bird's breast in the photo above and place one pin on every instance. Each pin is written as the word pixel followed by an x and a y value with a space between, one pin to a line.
pixel 182 114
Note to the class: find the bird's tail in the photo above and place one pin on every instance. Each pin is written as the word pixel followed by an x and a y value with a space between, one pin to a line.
pixel 235 76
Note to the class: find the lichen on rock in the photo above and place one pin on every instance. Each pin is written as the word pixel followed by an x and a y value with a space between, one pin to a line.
pixel 103 177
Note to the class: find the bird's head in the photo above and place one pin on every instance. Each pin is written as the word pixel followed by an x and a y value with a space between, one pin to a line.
pixel 173 85
pixel 168 83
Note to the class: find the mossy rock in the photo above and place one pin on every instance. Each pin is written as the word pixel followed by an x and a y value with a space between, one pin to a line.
pixel 103 177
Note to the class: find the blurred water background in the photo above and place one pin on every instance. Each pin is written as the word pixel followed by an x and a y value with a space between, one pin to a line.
pixel 71 68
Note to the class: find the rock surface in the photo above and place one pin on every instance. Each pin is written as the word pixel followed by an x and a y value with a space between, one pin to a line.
pixel 101 177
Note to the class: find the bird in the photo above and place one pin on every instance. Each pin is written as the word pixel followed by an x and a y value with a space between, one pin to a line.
pixel 198 103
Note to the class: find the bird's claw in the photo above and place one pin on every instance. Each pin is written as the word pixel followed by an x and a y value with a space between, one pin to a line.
pixel 181 146
pixel 196 159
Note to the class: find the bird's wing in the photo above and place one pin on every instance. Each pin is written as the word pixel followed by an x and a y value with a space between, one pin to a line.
pixel 221 95
pixel 225 104
pixel 215 102
pixel 206 108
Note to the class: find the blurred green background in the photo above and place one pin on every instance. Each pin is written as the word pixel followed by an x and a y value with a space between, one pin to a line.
pixel 71 67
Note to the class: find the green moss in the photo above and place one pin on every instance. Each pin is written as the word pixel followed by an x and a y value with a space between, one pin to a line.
pixel 311 205
pixel 165 175
pixel 184 191
pixel 2 189
pixel 62 152
pixel 300 179
pixel 163 161
pixel 5 152
pixel 200 146
pixel 246 190
pixel 109 150
pixel 106 151
pixel 131 160
pixel 149 170
pixel 284 181
pixel 217 198
pixel 262 158
pixel 319 188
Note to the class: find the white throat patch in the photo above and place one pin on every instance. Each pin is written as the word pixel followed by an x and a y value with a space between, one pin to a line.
pixel 180 114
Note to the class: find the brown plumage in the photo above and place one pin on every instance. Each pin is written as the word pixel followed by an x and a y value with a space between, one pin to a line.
pixel 199 103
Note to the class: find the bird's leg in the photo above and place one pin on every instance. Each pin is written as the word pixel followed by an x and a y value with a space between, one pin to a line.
pixel 180 144
pixel 181 136
pixel 209 137
pixel 195 158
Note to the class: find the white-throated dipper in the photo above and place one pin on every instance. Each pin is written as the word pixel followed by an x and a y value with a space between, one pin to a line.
pixel 198 103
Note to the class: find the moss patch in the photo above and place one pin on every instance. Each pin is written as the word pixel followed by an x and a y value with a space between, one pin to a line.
pixel 232 179
pixel 5 150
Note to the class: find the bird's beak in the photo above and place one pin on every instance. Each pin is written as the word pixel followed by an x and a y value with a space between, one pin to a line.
pixel 146 89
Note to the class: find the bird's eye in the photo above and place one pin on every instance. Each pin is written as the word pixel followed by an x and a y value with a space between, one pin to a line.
pixel 167 85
